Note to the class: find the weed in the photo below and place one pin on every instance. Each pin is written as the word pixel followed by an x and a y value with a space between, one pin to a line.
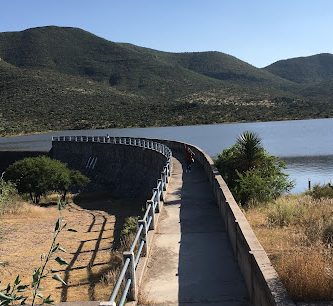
pixel 284 211
pixel 10 201
pixel 321 191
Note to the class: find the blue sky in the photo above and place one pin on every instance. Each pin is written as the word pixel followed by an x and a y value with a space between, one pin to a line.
pixel 256 31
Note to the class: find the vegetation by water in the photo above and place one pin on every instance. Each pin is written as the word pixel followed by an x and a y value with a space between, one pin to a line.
pixel 250 172
pixel 295 231
pixel 55 78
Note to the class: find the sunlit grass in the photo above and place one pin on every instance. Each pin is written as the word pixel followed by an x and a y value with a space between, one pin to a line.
pixel 296 232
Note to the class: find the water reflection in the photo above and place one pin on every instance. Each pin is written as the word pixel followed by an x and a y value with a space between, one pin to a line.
pixel 317 169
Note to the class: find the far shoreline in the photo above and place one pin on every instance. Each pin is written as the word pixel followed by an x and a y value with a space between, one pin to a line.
pixel 160 126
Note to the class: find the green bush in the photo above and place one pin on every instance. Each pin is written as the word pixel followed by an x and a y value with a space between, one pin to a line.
pixel 321 191
pixel 130 227
pixel 38 175
pixel 250 172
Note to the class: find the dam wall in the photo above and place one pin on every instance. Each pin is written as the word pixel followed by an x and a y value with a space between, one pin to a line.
pixel 124 170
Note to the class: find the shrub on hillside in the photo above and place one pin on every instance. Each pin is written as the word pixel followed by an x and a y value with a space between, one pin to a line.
pixel 250 172
pixel 38 175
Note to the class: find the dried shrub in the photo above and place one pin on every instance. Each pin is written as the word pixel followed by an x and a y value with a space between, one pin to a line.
pixel 284 211
pixel 327 234
pixel 10 202
pixel 307 275
pixel 321 191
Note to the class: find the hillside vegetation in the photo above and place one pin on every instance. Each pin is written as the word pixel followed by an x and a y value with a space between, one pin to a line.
pixel 311 69
pixel 56 78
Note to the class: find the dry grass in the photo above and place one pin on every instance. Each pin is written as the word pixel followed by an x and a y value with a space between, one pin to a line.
pixel 143 300
pixel 27 234
pixel 295 232
pixel 307 274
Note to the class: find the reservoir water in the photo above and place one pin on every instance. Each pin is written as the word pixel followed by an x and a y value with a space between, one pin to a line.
pixel 306 145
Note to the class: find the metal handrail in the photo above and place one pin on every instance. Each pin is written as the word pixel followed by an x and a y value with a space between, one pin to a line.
pixel 148 220
pixel 124 296
pixel 120 280
pixel 136 239
pixel 132 141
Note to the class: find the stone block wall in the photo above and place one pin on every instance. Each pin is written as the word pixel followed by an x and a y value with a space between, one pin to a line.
pixel 124 170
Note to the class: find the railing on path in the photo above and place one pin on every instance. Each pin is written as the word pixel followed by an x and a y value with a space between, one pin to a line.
pixel 143 143
pixel 139 247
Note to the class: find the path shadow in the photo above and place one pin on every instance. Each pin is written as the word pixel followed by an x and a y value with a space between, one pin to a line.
pixel 208 273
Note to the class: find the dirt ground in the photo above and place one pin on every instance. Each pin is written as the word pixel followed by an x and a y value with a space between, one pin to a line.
pixel 28 234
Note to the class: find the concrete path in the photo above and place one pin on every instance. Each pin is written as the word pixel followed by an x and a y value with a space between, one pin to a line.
pixel 191 261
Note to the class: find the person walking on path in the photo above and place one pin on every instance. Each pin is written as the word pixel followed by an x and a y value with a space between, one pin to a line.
pixel 189 158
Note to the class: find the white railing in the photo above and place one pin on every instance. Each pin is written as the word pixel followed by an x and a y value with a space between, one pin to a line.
pixel 139 246
pixel 138 142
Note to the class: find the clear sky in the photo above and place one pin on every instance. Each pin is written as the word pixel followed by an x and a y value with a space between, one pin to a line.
pixel 257 31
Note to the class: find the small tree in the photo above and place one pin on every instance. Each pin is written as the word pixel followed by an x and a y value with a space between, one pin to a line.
pixel 250 172
pixel 38 175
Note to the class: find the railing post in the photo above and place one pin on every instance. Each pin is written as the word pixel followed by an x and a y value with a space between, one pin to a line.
pixel 159 181
pixel 133 292
pixel 163 175
pixel 166 174
pixel 143 236
pixel 152 214
pixel 157 199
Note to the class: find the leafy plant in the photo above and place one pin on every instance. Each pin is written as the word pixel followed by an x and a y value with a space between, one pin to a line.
pixel 39 175
pixel 129 227
pixel 250 172
pixel 17 292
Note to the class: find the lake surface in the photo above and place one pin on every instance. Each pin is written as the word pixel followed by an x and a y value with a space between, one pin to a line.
pixel 306 145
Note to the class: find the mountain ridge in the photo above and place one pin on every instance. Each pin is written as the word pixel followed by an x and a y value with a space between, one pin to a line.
pixel 64 77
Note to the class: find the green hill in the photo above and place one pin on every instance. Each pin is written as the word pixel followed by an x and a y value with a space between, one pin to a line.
pixel 56 78
pixel 311 69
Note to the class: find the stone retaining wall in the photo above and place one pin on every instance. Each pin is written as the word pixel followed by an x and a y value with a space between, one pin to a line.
pixel 124 170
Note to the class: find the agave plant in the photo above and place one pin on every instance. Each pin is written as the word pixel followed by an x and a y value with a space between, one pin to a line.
pixel 249 149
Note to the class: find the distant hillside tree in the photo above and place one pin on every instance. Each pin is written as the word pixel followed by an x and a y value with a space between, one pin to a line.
pixel 250 172
pixel 38 175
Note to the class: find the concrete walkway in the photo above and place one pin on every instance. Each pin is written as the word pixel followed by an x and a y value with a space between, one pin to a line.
pixel 191 260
